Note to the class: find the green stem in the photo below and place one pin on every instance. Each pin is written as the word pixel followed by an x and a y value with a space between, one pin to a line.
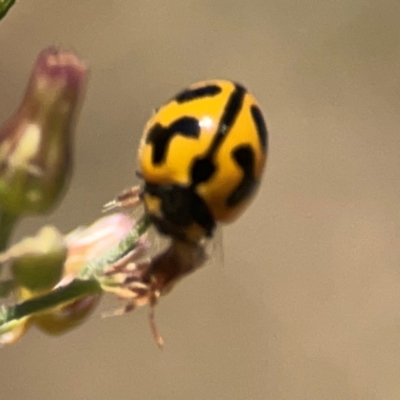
pixel 5 6
pixel 62 295
pixel 7 222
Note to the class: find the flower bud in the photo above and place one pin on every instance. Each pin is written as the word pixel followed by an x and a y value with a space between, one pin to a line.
pixel 50 263
pixel 66 317
pixel 37 262
pixel 83 244
pixel 35 143
pixel 14 330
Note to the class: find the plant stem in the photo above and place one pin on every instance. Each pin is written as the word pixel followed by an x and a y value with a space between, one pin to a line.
pixel 7 222
pixel 5 6
pixel 62 295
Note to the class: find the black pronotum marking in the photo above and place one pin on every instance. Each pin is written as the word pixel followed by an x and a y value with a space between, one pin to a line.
pixel 160 137
pixel 260 126
pixel 194 94
pixel 244 157
pixel 180 207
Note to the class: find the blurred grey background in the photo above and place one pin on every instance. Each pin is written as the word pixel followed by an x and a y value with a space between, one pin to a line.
pixel 307 304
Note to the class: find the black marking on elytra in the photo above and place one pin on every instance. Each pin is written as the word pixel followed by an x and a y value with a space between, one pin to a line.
pixel 228 118
pixel 180 207
pixel 244 157
pixel 204 168
pixel 160 137
pixel 260 126
pixel 198 93
pixel 232 109
pixel 201 171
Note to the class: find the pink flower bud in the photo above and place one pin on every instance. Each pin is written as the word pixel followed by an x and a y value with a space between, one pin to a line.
pixel 35 143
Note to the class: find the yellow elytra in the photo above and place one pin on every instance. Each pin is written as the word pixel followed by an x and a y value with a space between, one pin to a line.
pixel 201 156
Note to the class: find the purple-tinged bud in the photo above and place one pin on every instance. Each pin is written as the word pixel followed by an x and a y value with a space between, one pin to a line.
pixel 35 143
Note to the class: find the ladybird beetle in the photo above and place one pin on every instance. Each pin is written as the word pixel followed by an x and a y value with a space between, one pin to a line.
pixel 201 156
